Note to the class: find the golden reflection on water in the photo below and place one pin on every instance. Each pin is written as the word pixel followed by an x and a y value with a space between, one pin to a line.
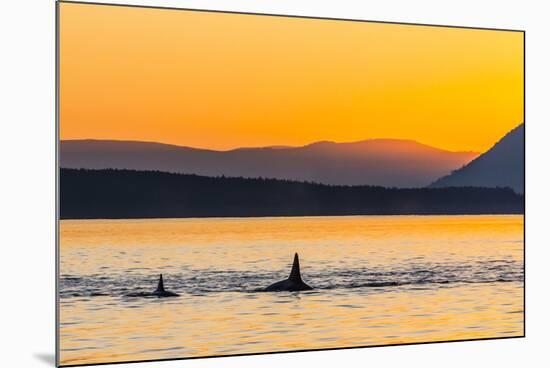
pixel 114 328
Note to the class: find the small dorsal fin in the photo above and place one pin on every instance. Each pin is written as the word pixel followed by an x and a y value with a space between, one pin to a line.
pixel 295 273
pixel 160 286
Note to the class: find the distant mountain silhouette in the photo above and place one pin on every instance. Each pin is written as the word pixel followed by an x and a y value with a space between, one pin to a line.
pixel 384 162
pixel 501 166
pixel 88 194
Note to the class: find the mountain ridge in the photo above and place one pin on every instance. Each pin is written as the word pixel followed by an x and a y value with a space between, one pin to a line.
pixel 384 162
pixel 275 147
pixel 502 165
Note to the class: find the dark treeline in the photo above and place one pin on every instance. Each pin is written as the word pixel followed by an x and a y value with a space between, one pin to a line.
pixel 89 194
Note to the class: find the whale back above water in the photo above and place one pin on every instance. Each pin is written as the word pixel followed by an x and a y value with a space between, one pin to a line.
pixel 160 291
pixel 293 282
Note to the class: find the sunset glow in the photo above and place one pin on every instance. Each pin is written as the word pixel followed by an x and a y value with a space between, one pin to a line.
pixel 233 184
pixel 222 81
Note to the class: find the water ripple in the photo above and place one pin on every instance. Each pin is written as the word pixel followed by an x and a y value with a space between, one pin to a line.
pixel 202 282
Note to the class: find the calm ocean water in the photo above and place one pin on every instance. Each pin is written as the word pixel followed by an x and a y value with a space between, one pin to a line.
pixel 377 279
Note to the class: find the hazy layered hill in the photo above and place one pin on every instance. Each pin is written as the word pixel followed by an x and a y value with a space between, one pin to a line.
pixel 383 162
pixel 501 166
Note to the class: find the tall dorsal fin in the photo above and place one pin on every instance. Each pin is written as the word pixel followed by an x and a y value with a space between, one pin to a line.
pixel 160 286
pixel 295 273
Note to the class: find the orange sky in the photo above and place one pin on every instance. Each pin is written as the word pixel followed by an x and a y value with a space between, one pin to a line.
pixel 224 80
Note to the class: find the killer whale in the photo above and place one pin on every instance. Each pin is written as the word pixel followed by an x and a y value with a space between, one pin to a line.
pixel 160 292
pixel 293 282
